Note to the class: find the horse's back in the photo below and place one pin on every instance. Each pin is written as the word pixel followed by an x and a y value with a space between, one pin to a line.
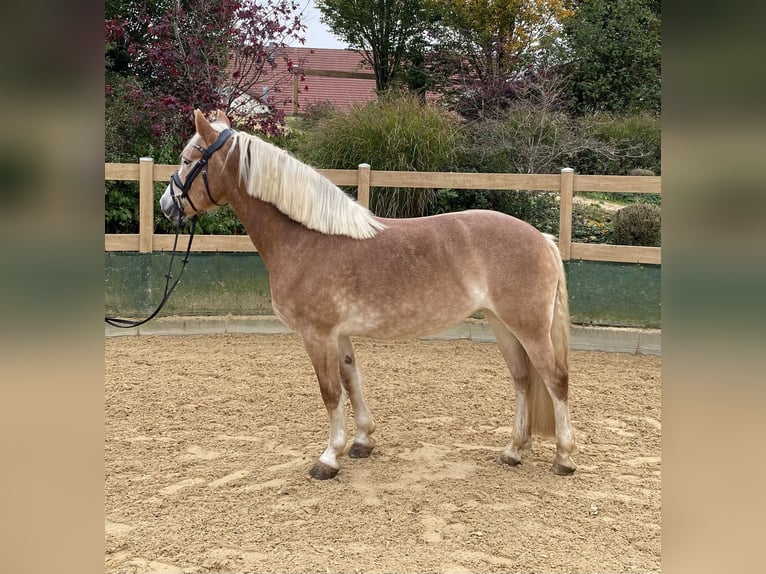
pixel 483 238
pixel 428 273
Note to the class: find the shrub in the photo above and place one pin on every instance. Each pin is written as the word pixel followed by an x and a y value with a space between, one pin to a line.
pixel 526 139
pixel 638 224
pixel 537 208
pixel 396 133
pixel 619 144
pixel 591 224
pixel 315 112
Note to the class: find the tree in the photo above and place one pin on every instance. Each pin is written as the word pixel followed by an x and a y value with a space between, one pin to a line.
pixel 483 47
pixel 172 56
pixel 385 31
pixel 615 58
pixel 164 58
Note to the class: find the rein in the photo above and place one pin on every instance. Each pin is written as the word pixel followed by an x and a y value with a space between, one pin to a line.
pixel 127 323
pixel 200 167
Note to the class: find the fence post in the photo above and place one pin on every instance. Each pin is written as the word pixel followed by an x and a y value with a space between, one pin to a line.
pixel 363 184
pixel 145 204
pixel 565 212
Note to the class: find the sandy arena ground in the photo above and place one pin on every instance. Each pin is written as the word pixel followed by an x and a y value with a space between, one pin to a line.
pixel 209 440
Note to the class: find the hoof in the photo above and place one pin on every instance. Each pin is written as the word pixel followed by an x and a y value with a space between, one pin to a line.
pixel 359 451
pixel 562 470
pixel 321 471
pixel 509 460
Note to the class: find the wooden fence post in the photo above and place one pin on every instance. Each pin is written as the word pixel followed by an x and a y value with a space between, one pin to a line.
pixel 145 204
pixel 565 212
pixel 363 185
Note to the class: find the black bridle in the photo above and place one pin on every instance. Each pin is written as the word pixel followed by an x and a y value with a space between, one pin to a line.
pixel 199 167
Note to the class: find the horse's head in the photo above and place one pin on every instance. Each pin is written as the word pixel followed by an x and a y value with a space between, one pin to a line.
pixel 188 194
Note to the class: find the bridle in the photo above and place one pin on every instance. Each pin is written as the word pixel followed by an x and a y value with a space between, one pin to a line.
pixel 199 167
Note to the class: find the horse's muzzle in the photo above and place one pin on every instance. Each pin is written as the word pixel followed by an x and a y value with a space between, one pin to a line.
pixel 169 205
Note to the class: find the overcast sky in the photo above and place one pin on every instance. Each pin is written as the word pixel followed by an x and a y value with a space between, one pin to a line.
pixel 317 34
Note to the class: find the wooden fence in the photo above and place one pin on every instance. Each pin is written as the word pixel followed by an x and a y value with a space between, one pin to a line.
pixel 567 183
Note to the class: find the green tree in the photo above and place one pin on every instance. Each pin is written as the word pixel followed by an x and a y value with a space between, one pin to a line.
pixel 387 32
pixel 615 56
pixel 483 48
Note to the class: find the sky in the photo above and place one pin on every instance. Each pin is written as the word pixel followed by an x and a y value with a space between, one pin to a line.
pixel 317 34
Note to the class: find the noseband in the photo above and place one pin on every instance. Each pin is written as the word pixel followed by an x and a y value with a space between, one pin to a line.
pixel 199 167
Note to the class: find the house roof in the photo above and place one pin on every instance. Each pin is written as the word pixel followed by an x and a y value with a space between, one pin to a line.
pixel 342 92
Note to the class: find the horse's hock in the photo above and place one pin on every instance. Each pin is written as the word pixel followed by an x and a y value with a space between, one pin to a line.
pixel 206 462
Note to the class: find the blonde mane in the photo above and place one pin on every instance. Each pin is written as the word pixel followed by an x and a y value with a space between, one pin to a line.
pixel 299 191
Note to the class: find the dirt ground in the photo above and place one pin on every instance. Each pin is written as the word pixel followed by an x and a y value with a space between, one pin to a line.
pixel 209 440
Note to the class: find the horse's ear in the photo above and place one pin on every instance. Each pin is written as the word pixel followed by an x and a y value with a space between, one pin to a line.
pixel 203 127
pixel 220 116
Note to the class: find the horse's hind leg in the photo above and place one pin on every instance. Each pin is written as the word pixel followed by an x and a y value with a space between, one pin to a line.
pixel 323 352
pixel 555 373
pixel 516 359
pixel 352 382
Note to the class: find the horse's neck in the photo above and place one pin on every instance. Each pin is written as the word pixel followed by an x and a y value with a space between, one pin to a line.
pixel 269 228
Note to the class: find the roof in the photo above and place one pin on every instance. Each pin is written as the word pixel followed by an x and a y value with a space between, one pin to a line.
pixel 342 92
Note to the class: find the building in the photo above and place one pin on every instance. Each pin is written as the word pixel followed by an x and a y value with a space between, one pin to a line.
pixel 340 77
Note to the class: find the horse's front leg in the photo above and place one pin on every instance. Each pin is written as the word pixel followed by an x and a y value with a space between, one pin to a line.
pixel 352 382
pixel 323 352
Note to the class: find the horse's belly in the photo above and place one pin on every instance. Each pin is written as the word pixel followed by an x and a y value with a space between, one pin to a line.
pixel 406 319
pixel 380 310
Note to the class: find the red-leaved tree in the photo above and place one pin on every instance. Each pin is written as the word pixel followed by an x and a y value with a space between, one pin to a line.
pixel 178 55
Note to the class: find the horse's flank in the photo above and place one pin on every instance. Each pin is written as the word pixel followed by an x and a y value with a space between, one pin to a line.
pixel 301 192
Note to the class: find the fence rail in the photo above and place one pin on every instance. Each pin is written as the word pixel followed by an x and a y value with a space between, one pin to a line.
pixel 567 183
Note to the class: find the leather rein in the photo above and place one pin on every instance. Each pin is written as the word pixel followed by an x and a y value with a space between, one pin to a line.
pixel 175 181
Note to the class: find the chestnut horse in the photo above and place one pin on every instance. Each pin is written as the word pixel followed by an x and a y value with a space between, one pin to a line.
pixel 336 270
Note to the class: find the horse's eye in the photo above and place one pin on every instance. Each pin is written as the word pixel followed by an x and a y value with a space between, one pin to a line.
pixel 186 161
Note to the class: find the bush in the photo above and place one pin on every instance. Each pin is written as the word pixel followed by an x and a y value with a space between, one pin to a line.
pixel 396 133
pixel 526 139
pixel 638 224
pixel 316 112
pixel 537 208
pixel 619 144
pixel 591 224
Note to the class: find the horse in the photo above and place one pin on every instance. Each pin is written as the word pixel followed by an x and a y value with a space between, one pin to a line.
pixel 337 271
